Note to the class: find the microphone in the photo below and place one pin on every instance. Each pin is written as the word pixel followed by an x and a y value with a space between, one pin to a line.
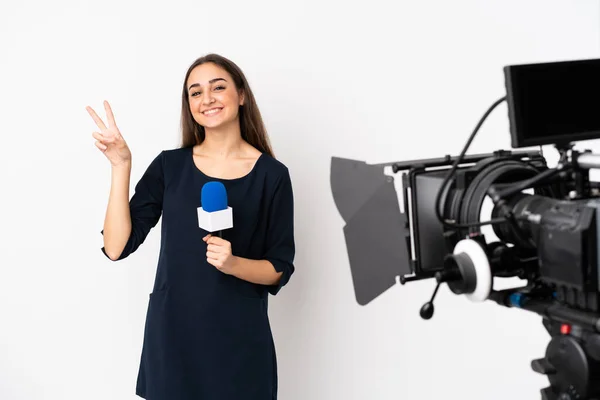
pixel 214 215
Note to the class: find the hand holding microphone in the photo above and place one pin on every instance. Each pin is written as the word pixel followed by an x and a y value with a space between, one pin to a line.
pixel 215 216
pixel 218 253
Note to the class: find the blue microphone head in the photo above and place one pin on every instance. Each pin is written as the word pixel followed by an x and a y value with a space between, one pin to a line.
pixel 213 197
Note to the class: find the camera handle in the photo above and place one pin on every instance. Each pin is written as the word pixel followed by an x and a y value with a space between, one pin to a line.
pixel 467 271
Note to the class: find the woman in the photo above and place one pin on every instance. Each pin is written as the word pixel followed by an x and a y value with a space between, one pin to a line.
pixel 207 333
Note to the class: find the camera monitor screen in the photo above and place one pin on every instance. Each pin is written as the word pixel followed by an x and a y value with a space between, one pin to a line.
pixel 553 103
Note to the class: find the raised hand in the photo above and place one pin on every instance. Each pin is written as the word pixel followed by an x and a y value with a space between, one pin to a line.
pixel 109 140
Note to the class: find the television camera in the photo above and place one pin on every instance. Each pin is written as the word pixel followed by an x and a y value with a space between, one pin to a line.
pixel 545 220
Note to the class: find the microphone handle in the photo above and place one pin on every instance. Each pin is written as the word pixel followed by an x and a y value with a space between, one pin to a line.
pixel 220 234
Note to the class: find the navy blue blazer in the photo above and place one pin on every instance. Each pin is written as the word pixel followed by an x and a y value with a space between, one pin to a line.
pixel 207 334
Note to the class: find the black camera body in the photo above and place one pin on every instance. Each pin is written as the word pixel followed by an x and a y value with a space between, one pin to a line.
pixel 550 236
pixel 543 225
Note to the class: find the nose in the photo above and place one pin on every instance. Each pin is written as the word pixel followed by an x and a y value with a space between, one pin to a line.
pixel 207 97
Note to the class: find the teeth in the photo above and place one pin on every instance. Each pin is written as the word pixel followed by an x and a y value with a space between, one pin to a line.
pixel 211 112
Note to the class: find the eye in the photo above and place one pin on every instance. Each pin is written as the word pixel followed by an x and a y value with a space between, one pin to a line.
pixel 193 94
pixel 220 88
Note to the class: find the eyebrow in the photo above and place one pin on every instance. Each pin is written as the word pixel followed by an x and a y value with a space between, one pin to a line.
pixel 211 81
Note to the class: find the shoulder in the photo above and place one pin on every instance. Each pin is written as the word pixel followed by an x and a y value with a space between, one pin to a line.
pixel 174 154
pixel 172 158
pixel 167 164
pixel 276 177
pixel 275 170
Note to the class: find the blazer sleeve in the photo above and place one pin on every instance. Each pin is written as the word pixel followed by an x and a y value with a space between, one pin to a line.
pixel 280 245
pixel 145 206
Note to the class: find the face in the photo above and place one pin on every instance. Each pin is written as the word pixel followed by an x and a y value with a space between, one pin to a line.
pixel 214 99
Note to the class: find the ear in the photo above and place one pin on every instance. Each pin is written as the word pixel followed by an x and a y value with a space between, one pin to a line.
pixel 242 97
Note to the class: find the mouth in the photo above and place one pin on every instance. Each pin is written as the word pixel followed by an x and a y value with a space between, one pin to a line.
pixel 212 111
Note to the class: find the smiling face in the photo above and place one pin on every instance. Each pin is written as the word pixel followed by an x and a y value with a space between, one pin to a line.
pixel 213 97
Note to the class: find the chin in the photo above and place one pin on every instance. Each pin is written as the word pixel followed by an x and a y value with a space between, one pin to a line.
pixel 217 124
pixel 213 125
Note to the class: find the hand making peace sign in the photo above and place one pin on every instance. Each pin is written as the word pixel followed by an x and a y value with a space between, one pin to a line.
pixel 109 140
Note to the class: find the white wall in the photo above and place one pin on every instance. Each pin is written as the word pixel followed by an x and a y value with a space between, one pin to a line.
pixel 332 78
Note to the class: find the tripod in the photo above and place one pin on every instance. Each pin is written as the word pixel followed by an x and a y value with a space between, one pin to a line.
pixel 572 359
pixel 571 363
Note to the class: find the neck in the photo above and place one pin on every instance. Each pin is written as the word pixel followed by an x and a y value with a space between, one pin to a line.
pixel 223 142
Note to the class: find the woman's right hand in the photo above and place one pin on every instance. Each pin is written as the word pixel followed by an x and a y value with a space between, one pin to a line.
pixel 109 140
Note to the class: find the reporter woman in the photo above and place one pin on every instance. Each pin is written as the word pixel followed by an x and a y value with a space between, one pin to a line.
pixel 207 334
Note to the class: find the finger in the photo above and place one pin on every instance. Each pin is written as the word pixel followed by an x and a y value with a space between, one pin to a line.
pixel 216 241
pixel 205 238
pixel 109 138
pixel 99 137
pixel 96 118
pixel 212 255
pixel 100 146
pixel 109 115
pixel 106 140
pixel 215 247
pixel 213 263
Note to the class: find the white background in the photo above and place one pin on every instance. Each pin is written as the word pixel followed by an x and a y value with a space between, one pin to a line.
pixel 332 78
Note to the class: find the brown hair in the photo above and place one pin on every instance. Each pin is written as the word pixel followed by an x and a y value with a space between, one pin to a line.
pixel 251 124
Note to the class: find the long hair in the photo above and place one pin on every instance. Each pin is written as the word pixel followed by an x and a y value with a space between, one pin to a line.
pixel 251 123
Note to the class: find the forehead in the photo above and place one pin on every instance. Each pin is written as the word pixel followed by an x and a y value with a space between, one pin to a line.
pixel 202 74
